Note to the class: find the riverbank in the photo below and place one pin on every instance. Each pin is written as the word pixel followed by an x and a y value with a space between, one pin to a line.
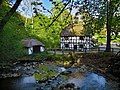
pixel 101 62
pixel 53 67
pixel 72 78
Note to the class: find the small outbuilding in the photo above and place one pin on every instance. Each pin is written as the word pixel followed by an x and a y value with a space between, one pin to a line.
pixel 33 46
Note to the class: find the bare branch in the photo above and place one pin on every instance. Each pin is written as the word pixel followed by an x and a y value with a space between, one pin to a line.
pixel 58 15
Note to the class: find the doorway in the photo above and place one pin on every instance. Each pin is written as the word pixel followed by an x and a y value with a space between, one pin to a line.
pixel 36 49
pixel 75 47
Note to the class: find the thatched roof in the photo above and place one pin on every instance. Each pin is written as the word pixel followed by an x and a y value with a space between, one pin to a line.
pixel 66 32
pixel 73 30
pixel 31 42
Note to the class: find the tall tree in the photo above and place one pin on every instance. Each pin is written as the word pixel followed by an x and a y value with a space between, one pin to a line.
pixel 6 18
pixel 112 9
pixel 98 10
pixel 108 26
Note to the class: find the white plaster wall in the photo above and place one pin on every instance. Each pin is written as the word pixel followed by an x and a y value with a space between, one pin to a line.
pixel 85 42
pixel 30 50
pixel 42 49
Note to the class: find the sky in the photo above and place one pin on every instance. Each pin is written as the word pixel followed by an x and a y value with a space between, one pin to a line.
pixel 26 10
pixel 25 7
pixel 47 4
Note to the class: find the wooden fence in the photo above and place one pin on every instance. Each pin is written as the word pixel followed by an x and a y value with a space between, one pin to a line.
pixel 64 51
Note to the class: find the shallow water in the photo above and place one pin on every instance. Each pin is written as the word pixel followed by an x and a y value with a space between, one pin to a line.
pixel 90 81
pixel 85 81
pixel 21 83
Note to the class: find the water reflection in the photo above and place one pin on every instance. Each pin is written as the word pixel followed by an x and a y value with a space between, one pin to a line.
pixel 89 81
pixel 93 82
pixel 28 80
pixel 22 83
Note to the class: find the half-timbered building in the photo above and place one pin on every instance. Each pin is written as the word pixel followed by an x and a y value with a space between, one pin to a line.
pixel 71 41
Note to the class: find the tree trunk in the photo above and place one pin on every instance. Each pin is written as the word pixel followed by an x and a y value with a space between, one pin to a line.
pixel 1 3
pixel 108 26
pixel 6 18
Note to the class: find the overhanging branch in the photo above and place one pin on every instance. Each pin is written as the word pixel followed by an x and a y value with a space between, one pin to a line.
pixel 6 18
pixel 58 15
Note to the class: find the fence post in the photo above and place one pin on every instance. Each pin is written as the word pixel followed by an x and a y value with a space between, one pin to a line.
pixel 62 51
pixel 98 49
pixel 112 49
pixel 55 51
pixel 85 49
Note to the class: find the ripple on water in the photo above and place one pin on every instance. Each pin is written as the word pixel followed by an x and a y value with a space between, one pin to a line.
pixel 90 81
pixel 30 79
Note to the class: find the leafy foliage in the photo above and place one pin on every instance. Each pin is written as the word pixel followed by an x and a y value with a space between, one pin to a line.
pixel 50 36
pixel 11 36
pixel 47 28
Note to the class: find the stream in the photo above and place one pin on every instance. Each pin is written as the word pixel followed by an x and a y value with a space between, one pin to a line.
pixel 75 80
